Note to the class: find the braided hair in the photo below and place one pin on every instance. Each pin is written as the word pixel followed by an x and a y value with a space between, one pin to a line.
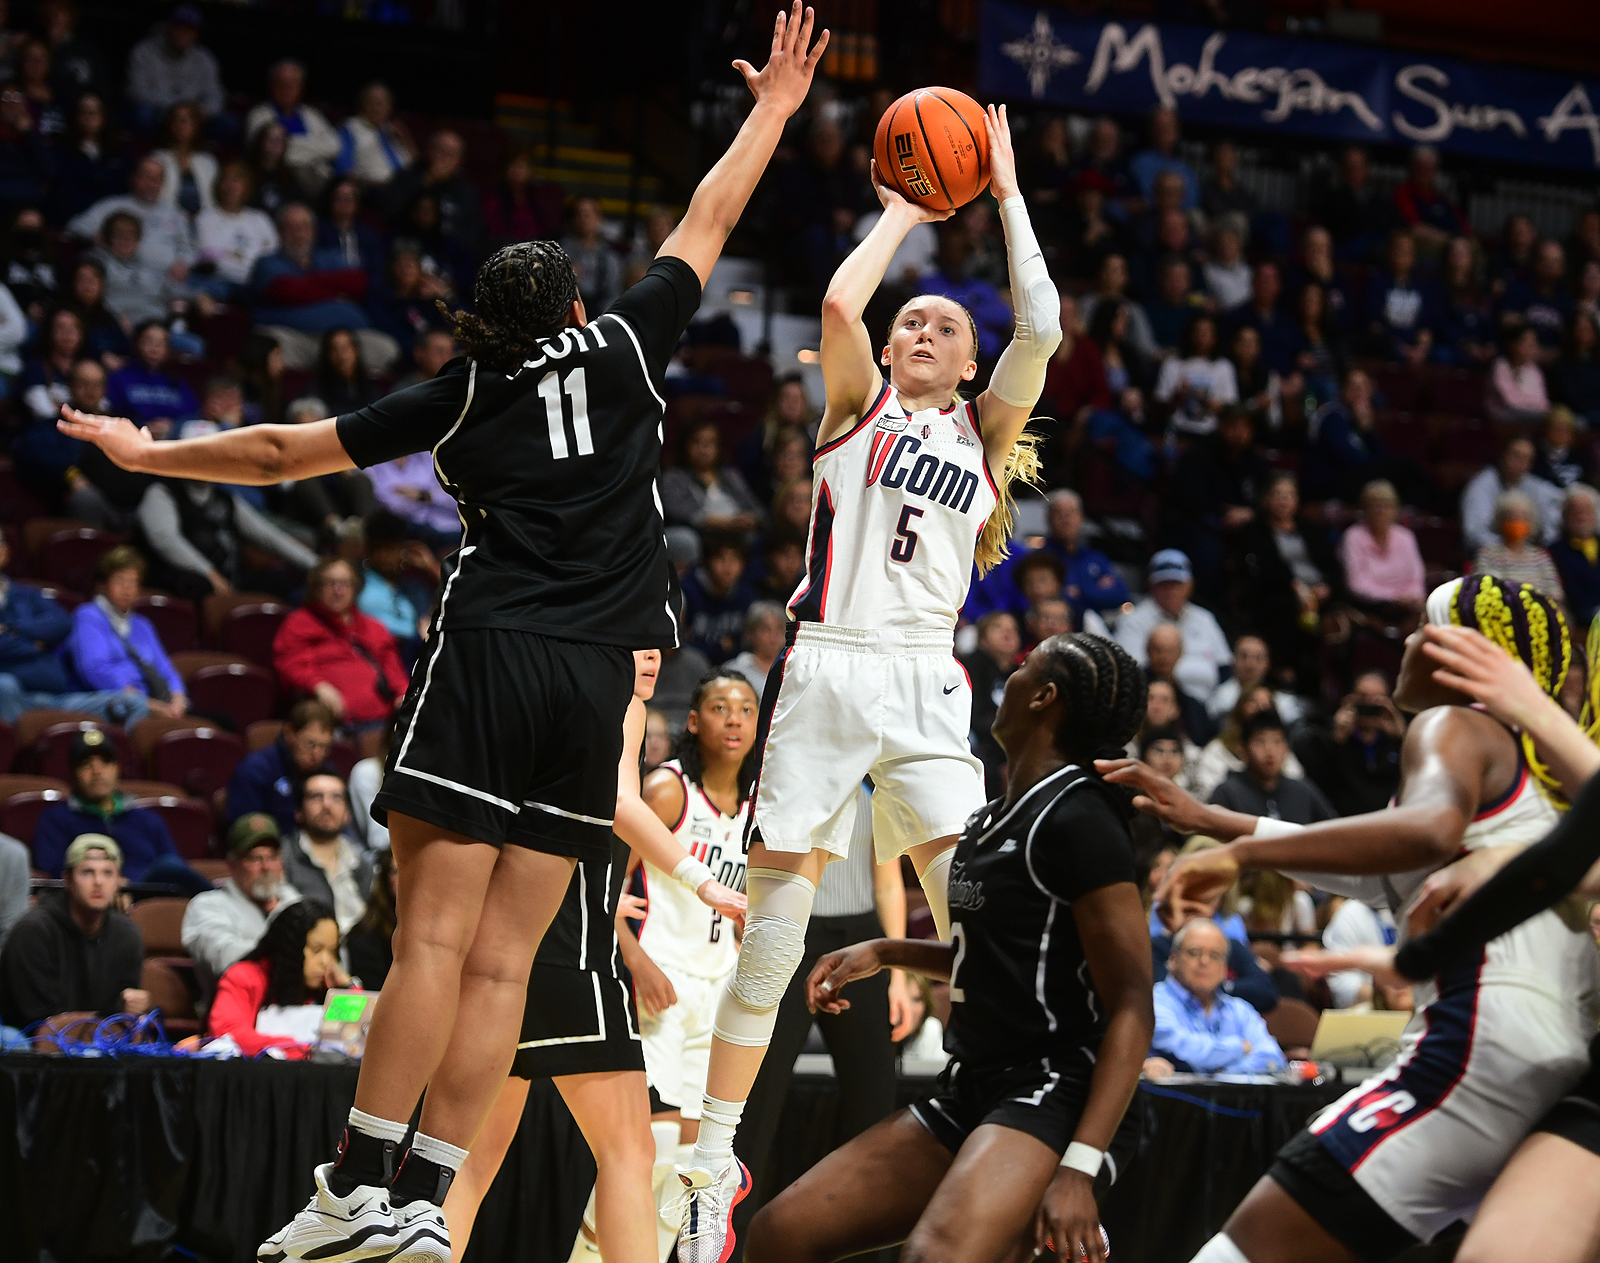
pixel 1528 626
pixel 523 292
pixel 1104 692
pixel 283 947
pixel 687 747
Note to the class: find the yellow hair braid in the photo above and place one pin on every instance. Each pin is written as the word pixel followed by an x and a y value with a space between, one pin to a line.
pixel 1022 465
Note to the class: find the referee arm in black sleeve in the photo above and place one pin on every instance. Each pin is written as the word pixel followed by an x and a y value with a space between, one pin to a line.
pixel 780 89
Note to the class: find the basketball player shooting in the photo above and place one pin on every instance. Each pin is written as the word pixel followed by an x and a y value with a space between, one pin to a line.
pixel 912 485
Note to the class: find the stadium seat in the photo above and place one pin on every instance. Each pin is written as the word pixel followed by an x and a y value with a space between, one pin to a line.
pixel 1404 436
pixel 150 789
pixel 250 629
pixel 31 723
pixel 1293 1023
pixel 176 621
pixel 344 756
pixel 8 746
pixel 188 661
pixel 70 557
pixel 52 748
pixel 213 870
pixel 1457 390
pixel 244 692
pixel 187 820
pixel 64 597
pixel 199 759
pixel 17 502
pixel 160 922
pixel 20 812
pixel 35 530
pixel 170 994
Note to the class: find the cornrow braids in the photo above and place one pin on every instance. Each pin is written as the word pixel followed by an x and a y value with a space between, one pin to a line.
pixel 686 749
pixel 522 293
pixel 1104 689
pixel 1531 628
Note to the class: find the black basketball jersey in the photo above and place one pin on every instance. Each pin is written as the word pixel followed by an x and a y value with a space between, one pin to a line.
pixel 1020 989
pixel 553 466
pixel 583 934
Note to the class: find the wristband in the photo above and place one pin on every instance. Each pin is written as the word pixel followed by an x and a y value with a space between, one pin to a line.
pixel 1082 1157
pixel 692 873
pixel 1266 827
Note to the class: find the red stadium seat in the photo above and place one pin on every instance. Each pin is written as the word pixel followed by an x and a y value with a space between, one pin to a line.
pixel 1457 390
pixel 176 621
pixel 20 813
pixel 52 748
pixel 241 691
pixel 261 734
pixel 188 821
pixel 199 759
pixel 17 502
pixel 8 746
pixel 250 629
pixel 160 922
pixel 70 557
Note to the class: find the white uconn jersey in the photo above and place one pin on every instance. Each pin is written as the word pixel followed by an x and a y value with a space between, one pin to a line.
pixel 679 932
pixel 899 503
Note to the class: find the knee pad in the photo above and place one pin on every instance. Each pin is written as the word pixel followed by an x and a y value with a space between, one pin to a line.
pixel 935 885
pixel 774 944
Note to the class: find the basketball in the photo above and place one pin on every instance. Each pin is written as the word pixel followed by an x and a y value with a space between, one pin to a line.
pixel 933 149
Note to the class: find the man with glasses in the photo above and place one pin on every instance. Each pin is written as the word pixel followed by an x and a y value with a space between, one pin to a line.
pixel 320 858
pixel 1200 1027
pixel 220 926
pixel 265 781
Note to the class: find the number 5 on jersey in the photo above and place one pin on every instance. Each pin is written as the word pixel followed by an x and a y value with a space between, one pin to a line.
pixel 551 388
pixel 905 539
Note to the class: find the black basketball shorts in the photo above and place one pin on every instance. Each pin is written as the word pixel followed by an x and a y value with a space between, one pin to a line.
pixel 1035 1098
pixel 512 737
pixel 577 1021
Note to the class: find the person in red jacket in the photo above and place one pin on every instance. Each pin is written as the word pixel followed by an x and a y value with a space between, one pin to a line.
pixel 295 963
pixel 332 651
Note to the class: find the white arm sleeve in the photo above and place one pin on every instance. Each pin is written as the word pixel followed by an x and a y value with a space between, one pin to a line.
pixel 1018 377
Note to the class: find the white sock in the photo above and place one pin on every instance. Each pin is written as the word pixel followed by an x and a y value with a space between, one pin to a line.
pixel 377 1128
pixel 685 1155
pixel 935 885
pixel 718 1121
pixel 1220 1250
pixel 439 1151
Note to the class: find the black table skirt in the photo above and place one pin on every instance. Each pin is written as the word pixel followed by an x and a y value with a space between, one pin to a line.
pixel 125 1159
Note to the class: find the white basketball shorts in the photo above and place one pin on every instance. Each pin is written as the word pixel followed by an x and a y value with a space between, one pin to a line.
pixel 893 704
pixel 677 1043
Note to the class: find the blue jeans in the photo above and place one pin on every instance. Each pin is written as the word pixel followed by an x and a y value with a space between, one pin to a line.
pixel 115 706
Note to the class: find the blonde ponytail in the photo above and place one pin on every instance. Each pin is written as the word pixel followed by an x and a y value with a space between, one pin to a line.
pixel 1022 465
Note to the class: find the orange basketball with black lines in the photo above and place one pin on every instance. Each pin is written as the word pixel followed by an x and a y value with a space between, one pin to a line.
pixel 932 148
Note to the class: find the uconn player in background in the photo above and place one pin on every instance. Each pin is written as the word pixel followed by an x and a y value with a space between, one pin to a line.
pixel 503 771
pixel 580 1029
pixel 1499 1038
pixel 912 483
pixel 1050 1013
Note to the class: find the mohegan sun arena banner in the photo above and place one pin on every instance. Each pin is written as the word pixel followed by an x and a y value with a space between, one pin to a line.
pixel 1308 87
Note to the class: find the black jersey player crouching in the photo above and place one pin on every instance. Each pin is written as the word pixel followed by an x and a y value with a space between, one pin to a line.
pixel 1045 1053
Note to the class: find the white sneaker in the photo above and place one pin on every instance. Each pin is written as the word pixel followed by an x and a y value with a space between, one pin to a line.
pixel 338 1229
pixel 427 1235
pixel 707 1232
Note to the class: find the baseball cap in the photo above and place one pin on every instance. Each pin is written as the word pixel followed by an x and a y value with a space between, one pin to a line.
pixel 91 743
pixel 186 14
pixel 86 844
pixel 1170 565
pixel 252 830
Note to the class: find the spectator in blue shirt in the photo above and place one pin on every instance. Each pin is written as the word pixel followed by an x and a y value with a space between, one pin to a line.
pixel 267 780
pixel 1541 301
pixel 32 626
pixel 145 392
pixel 1091 583
pixel 1400 305
pixel 716 595
pixel 1162 156
pixel 990 312
pixel 112 648
pixel 1175 305
pixel 1199 1026
pixel 97 805
pixel 391 592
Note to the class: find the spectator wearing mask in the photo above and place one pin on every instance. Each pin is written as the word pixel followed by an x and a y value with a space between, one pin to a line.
pixel 369 947
pixel 716 595
pixel 319 859
pixel 166 239
pixel 220 926
pixel 1197 382
pixel 1205 648
pixel 230 234
pixel 169 65
pixel 264 782
pixel 1516 390
pixel 1356 763
pixel 97 806
pixel 390 590
pixel 198 531
pixel 1252 665
pixel 409 488
pixel 1400 306
pixel 1200 1028
pixel 1384 573
pixel 293 965
pixel 1264 788
pixel 1163 653
pixel 1512 472
pixel 1559 459
pixel 440 174
pixel 373 146
pixel 332 651
pixel 302 292
pixel 75 953
pixel 765 626
pixel 1224 754
pixel 1577 552
pixel 1517 555
pixel 312 143
pixel 702 492
pixel 1541 301
pixel 113 650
